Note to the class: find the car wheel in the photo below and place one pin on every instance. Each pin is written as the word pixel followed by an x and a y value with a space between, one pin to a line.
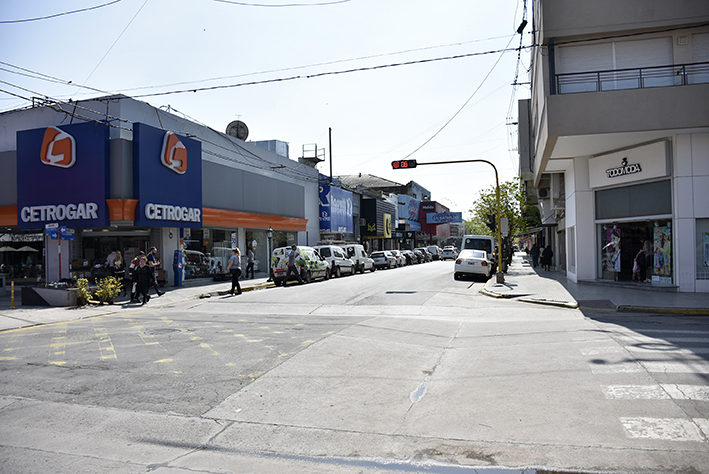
pixel 277 281
pixel 456 276
pixel 327 273
pixel 308 277
pixel 372 269
pixel 338 273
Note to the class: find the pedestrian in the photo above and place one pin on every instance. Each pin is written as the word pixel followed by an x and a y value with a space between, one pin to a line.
pixel 133 276
pixel 153 263
pixel 292 268
pixel 547 254
pixel 250 262
pixel 535 255
pixel 118 270
pixel 234 267
pixel 144 276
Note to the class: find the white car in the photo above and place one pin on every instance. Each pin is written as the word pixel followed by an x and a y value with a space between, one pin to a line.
pixel 400 258
pixel 383 259
pixel 472 263
pixel 449 252
pixel 337 259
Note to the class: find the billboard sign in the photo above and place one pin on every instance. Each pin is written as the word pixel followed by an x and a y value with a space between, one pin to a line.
pixel 62 176
pixel 335 210
pixel 167 178
pixel 444 217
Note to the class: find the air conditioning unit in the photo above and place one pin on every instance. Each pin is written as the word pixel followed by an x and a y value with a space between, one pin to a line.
pixel 543 193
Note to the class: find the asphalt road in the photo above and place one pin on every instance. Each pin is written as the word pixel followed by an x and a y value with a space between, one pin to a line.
pixel 402 370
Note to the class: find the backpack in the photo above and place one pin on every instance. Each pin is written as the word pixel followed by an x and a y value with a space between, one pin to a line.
pixel 641 259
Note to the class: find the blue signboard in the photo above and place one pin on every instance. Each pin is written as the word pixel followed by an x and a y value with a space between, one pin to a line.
pixel 62 176
pixel 444 217
pixel 335 210
pixel 409 207
pixel 167 178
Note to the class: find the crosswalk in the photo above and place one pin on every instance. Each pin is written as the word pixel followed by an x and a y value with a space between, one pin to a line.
pixel 675 359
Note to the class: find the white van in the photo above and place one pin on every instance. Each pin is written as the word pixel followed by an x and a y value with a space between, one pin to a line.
pixel 436 251
pixel 481 242
pixel 359 256
pixel 337 259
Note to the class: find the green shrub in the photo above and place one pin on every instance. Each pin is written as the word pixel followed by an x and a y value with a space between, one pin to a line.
pixel 84 294
pixel 108 290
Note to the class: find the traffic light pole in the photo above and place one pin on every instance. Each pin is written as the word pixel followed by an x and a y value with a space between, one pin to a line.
pixel 500 259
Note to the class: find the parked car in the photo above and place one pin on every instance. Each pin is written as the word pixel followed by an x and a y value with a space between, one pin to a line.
pixel 482 242
pixel 337 259
pixel 383 259
pixel 400 258
pixel 436 251
pixel 310 263
pixel 420 256
pixel 410 256
pixel 449 252
pixel 426 253
pixel 472 263
pixel 359 256
pixel 196 264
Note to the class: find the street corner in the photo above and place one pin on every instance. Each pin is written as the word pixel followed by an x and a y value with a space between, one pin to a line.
pixel 498 290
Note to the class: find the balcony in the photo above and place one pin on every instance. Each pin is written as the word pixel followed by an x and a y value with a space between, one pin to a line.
pixel 635 78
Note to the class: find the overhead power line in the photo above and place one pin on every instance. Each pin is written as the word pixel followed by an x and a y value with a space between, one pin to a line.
pixel 245 4
pixel 59 14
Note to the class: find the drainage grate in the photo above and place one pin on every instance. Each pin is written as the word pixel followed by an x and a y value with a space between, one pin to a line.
pixel 597 304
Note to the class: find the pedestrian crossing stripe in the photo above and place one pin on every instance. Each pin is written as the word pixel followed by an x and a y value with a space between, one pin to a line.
pixel 657 392
pixel 667 429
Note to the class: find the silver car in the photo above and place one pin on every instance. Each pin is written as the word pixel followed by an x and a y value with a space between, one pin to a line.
pixel 383 259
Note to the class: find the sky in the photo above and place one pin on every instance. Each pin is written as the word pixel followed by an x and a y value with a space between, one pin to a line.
pixel 393 79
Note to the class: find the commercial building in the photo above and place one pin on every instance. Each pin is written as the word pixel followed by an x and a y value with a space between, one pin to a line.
pixel 114 173
pixel 614 142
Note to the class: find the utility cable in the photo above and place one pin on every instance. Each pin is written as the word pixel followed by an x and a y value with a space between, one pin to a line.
pixel 59 14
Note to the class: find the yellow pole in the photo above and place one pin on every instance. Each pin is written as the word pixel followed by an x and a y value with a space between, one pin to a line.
pixel 12 294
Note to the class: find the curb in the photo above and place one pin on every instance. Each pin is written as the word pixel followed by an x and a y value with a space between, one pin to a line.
pixel 228 292
pixel 660 310
pixel 526 299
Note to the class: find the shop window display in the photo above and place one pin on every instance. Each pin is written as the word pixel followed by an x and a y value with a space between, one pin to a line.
pixel 702 249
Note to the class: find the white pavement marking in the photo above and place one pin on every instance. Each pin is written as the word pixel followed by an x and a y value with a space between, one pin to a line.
pixel 617 368
pixel 688 392
pixel 686 367
pixel 634 392
pixel 668 429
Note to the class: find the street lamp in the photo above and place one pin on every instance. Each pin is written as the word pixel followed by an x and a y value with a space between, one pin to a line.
pixel 269 233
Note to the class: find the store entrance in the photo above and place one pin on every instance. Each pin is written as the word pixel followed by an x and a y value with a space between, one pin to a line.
pixel 620 244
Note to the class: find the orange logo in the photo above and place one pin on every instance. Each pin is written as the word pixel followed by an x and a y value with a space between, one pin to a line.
pixel 174 153
pixel 58 148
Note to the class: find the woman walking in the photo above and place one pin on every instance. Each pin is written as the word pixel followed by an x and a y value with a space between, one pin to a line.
pixel 144 277
pixel 234 268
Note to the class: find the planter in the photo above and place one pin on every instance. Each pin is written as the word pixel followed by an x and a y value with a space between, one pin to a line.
pixel 38 296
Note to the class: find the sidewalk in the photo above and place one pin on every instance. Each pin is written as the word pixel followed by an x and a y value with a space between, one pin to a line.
pixel 26 316
pixel 524 283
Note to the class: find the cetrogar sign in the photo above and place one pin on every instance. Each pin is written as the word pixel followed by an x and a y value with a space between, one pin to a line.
pixel 167 178
pixel 62 176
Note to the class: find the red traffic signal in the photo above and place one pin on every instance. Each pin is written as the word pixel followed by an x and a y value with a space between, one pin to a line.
pixel 403 164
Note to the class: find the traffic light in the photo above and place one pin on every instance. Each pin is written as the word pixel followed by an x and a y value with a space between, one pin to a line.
pixel 403 164
pixel 491 222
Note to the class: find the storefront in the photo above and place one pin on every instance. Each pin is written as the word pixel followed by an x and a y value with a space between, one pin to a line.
pixel 634 213
pixel 377 231
pixel 140 185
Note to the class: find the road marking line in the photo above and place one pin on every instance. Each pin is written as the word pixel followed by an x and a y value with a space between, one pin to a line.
pixel 668 429
pixel 105 345
pixel 687 367
pixel 617 368
pixel 635 392
pixel 602 350
pixel 58 357
pixel 687 392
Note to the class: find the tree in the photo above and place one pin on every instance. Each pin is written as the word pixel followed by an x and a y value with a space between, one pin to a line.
pixel 513 205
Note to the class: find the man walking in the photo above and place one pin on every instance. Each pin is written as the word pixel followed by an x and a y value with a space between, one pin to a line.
pixel 153 262
pixel 292 256
pixel 250 262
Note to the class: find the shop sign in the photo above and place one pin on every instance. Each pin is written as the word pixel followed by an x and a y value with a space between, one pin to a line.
pixel 167 178
pixel 428 206
pixel 62 176
pixel 444 217
pixel 645 162
pixel 387 226
pixel 409 207
pixel 336 210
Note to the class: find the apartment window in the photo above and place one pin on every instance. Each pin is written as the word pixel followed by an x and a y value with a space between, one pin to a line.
pixel 616 65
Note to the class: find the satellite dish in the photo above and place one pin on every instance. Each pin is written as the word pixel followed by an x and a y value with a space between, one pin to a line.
pixel 237 129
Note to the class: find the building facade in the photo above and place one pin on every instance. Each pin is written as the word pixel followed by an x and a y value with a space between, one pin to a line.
pixel 123 175
pixel 614 141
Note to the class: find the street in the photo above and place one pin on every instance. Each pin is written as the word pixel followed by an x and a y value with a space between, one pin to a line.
pixel 400 370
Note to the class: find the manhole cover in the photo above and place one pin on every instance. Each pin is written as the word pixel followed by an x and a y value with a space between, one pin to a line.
pixel 597 304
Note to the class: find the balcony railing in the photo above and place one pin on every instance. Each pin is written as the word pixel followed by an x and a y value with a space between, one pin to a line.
pixel 636 78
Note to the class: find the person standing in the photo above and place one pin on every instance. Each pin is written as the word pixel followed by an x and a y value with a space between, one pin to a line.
pixel 144 276
pixel 250 262
pixel 133 275
pixel 153 263
pixel 535 255
pixel 292 268
pixel 118 270
pixel 547 254
pixel 234 267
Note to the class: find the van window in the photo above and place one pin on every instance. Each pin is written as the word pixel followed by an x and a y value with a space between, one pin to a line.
pixel 325 252
pixel 350 251
pixel 478 244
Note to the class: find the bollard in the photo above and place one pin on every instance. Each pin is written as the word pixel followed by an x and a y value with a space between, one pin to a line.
pixel 12 294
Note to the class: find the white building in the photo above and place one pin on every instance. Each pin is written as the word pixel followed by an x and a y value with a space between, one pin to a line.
pixel 614 142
